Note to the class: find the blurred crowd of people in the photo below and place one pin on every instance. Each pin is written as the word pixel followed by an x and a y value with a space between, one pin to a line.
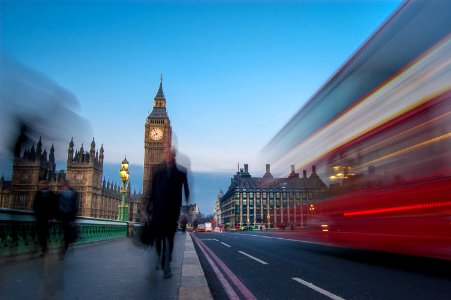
pixel 48 207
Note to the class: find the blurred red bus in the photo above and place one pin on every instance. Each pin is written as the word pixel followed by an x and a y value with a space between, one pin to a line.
pixel 379 133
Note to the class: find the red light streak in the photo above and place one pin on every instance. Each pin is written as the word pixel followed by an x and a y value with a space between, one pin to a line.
pixel 398 208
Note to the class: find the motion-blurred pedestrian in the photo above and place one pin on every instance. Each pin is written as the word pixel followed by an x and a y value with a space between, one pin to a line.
pixel 44 207
pixel 164 206
pixel 67 207
pixel 183 224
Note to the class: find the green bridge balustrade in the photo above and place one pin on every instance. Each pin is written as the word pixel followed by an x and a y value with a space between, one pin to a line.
pixel 18 234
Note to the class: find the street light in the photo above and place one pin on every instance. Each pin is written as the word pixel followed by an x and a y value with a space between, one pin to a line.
pixel 311 210
pixel 123 208
pixel 268 218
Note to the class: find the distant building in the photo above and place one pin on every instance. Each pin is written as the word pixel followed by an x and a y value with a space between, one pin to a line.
pixel 271 201
pixel 84 171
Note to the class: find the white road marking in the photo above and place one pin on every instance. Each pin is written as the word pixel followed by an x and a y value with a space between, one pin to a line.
pixel 263 236
pixel 318 289
pixel 226 245
pixel 292 240
pixel 254 258
pixel 210 240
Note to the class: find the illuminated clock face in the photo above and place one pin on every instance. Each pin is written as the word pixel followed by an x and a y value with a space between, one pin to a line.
pixel 156 134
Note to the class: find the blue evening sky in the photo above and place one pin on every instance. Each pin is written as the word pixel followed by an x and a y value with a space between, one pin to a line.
pixel 234 71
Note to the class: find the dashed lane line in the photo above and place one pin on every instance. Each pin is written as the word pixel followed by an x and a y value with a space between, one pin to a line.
pixel 226 245
pixel 254 258
pixel 292 240
pixel 318 289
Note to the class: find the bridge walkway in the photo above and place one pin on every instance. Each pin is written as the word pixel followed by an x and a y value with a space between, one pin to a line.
pixel 114 269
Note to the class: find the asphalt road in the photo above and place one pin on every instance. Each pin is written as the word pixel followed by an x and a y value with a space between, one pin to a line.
pixel 278 266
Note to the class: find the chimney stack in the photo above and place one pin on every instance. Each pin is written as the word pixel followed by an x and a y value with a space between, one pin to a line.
pixel 268 172
pixel 293 173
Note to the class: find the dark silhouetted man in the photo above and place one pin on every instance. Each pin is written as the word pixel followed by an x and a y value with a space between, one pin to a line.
pixel 164 206
pixel 44 207
pixel 67 207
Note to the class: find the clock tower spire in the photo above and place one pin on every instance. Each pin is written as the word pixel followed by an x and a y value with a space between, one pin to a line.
pixel 160 100
pixel 157 135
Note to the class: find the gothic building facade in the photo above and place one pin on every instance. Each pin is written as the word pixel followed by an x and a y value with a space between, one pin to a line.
pixel 98 199
pixel 157 136
pixel 28 168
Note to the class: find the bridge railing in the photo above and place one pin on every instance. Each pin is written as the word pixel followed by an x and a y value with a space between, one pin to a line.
pixel 18 232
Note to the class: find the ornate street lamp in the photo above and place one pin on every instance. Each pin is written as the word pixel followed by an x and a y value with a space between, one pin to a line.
pixel 123 208
pixel 268 218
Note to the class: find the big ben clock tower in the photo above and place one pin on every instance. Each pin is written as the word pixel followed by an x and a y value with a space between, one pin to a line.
pixel 157 134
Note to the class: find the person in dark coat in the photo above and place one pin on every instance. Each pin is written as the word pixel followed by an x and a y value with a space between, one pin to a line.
pixel 44 207
pixel 164 206
pixel 67 208
pixel 183 224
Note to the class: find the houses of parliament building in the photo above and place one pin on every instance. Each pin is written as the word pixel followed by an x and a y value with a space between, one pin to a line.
pixel 97 198
pixel 84 169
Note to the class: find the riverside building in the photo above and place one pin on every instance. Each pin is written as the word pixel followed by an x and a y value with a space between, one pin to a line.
pixel 268 202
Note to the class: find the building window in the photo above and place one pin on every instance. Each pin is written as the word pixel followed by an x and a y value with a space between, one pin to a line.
pixel 24 177
pixel 23 199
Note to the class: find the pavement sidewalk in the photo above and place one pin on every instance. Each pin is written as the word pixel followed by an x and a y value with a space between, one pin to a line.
pixel 114 269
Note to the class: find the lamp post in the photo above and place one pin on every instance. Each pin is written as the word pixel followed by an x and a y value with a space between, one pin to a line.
pixel 123 208
pixel 268 218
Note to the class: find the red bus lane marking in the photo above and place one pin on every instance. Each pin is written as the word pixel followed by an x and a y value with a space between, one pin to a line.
pixel 225 284
pixel 238 284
